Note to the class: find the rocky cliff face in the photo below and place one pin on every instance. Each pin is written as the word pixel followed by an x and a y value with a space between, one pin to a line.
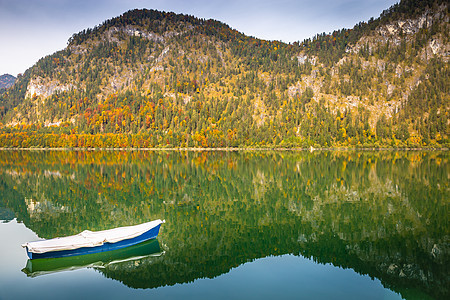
pixel 44 88
pixel 403 30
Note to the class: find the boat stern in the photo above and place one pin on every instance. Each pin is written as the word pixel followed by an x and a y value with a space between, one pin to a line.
pixel 29 254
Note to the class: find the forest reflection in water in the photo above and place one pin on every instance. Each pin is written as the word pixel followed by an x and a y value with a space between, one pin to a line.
pixel 384 214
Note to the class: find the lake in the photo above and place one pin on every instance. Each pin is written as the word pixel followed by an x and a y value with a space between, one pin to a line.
pixel 239 225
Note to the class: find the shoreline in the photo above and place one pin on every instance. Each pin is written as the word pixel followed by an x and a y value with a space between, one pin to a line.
pixel 226 149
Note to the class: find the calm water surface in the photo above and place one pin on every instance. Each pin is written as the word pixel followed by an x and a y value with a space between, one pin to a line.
pixel 240 225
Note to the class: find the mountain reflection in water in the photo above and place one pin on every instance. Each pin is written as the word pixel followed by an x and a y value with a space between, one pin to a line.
pixel 384 214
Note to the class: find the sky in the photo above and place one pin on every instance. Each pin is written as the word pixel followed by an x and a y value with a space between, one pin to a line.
pixel 32 29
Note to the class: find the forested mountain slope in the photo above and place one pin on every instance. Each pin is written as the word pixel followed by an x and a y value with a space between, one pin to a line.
pixel 6 81
pixel 155 79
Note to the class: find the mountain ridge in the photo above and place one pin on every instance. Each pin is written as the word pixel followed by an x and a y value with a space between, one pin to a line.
pixel 151 78
pixel 6 81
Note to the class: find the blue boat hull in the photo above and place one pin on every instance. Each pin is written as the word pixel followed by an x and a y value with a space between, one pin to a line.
pixel 148 235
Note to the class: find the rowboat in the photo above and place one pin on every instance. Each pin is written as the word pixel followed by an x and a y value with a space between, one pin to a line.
pixel 88 242
pixel 100 260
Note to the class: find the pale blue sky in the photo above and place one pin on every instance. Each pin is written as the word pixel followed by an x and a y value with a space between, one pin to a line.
pixel 31 29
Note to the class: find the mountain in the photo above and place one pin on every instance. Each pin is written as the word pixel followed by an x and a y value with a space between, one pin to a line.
pixel 156 79
pixel 6 81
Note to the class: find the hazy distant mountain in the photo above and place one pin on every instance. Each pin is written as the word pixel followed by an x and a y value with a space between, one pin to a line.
pixel 6 81
pixel 150 78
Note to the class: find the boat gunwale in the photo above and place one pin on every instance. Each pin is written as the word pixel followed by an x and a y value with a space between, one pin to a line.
pixel 151 233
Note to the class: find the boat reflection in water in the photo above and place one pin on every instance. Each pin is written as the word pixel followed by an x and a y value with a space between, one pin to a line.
pixel 37 267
